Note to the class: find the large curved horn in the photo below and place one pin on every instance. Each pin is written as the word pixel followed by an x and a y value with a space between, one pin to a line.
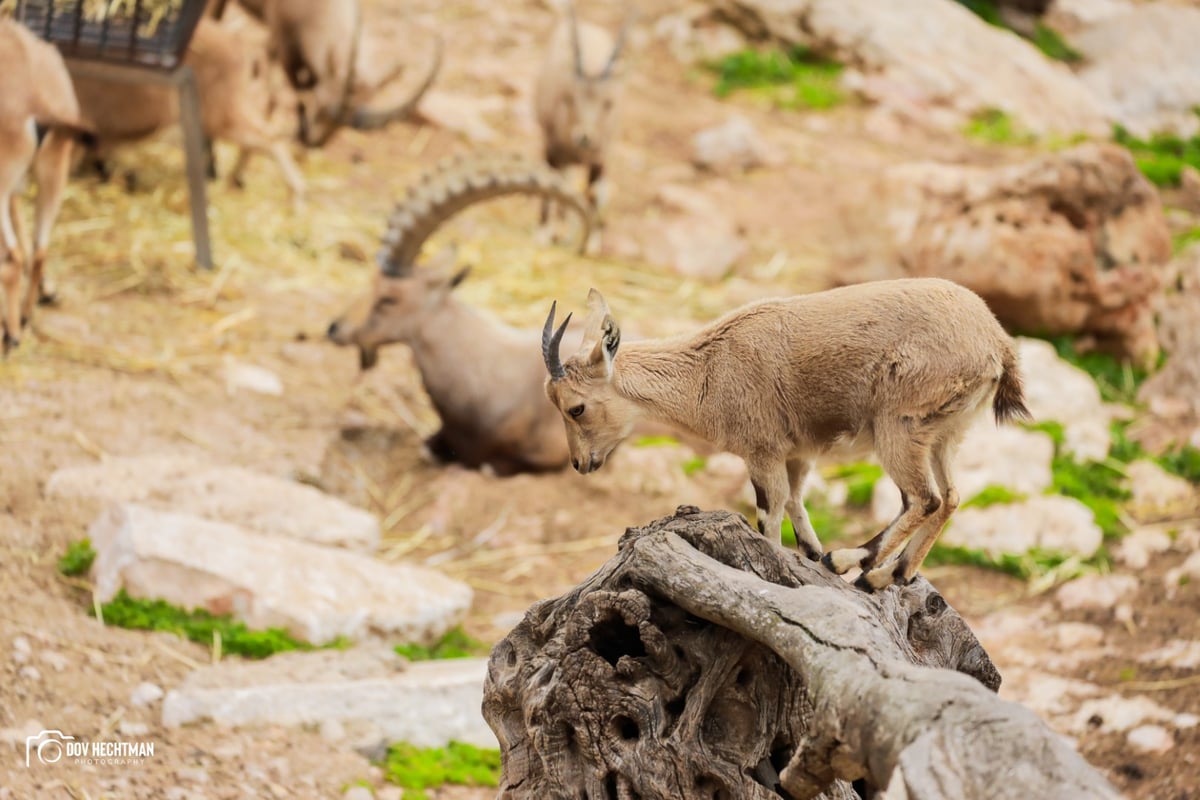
pixel 573 24
pixel 552 344
pixel 455 184
pixel 365 119
pixel 622 35
pixel 344 111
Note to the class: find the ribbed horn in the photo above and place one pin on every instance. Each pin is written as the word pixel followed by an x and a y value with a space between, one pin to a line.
pixel 622 35
pixel 456 184
pixel 552 342
pixel 575 48
pixel 365 119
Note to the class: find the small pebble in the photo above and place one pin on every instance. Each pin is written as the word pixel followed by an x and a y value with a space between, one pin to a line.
pixel 145 694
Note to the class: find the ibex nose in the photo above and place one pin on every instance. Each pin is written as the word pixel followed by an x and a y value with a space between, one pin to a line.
pixel 333 329
pixel 575 464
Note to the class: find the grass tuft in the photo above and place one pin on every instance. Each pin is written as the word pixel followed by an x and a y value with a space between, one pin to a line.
pixel 417 769
pixel 860 478
pixel 1043 37
pixel 200 626
pixel 1117 379
pixel 997 127
pixel 793 79
pixel 1162 157
pixel 454 644
pixel 78 558
pixel 993 495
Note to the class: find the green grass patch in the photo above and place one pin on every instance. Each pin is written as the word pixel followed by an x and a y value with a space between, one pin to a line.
pixel 996 127
pixel 792 79
pixel 1098 485
pixel 1162 157
pixel 454 644
pixel 860 478
pixel 694 464
pixel 1117 379
pixel 993 495
pixel 1051 428
pixel 826 521
pixel 201 626
pixel 78 558
pixel 417 769
pixel 1183 462
pixel 1181 241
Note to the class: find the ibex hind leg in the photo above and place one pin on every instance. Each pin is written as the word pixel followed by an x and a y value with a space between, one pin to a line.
pixel 52 166
pixel 806 537
pixel 904 451
pixel 17 146
pixel 770 481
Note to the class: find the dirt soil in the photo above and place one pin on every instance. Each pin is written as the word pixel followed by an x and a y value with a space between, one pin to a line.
pixel 132 361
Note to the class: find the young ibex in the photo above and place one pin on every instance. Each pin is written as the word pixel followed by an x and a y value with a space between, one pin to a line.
pixel 483 377
pixel 900 366
pixel 334 69
pixel 35 90
pixel 575 98
pixel 231 84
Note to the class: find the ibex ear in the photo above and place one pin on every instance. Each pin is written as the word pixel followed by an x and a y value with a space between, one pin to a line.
pixel 602 335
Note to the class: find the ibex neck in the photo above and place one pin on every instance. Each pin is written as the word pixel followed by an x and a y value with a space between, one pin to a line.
pixel 666 378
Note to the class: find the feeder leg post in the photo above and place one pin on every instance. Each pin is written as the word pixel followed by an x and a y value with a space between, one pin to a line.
pixel 193 146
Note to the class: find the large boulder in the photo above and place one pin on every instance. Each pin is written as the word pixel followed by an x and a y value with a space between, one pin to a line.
pixel 259 502
pixel 1144 67
pixel 317 593
pixel 930 55
pixel 1071 242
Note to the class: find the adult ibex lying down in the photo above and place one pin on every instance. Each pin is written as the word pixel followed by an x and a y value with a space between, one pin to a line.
pixel 35 89
pixel 483 377
pixel 900 366
pixel 233 103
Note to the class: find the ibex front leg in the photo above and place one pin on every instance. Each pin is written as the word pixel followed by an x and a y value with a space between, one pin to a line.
pixel 771 493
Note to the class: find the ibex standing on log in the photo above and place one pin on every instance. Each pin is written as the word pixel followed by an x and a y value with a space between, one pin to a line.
pixel 576 99
pixel 902 367
pixel 483 377
pixel 35 89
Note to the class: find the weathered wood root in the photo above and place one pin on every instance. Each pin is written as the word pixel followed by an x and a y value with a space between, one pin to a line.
pixel 703 661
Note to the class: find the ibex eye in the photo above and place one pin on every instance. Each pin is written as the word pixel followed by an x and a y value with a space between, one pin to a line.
pixel 384 302
pixel 575 411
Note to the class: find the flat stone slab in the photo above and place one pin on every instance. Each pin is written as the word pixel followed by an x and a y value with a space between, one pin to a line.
pixel 427 704
pixel 253 500
pixel 317 593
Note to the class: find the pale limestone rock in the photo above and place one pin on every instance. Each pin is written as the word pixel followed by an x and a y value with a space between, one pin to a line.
pixel 1057 391
pixel 733 146
pixel 1177 653
pixel 251 378
pixel 459 113
pixel 317 593
pixel 253 500
pixel 1144 67
pixel 1157 494
pixel 1096 591
pixel 1188 571
pixel 1118 714
pixel 1135 550
pixel 702 247
pixel 145 694
pixel 426 704
pixel 931 55
pixel 1150 739
pixel 1049 522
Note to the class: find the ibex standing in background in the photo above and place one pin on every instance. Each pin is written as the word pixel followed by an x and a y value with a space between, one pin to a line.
pixel 576 99
pixel 483 377
pixel 233 103
pixel 900 366
pixel 35 89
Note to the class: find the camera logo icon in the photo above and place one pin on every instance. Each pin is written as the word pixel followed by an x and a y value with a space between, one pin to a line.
pixel 48 747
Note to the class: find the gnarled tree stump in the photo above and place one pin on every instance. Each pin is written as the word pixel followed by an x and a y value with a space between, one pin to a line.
pixel 703 661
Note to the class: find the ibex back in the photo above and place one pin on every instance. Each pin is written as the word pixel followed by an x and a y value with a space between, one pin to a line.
pixel 901 367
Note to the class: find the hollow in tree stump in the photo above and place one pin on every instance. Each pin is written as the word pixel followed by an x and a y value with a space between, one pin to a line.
pixel 703 661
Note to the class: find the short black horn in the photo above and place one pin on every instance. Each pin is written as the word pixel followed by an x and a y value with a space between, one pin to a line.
pixel 552 342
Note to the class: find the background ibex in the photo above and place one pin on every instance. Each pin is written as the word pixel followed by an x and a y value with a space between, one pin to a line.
pixel 483 377
pixel 576 98
pixel 900 366
pixel 232 86
pixel 35 89
pixel 334 69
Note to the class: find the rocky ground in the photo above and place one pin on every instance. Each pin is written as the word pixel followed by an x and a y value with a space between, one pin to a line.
pixel 142 357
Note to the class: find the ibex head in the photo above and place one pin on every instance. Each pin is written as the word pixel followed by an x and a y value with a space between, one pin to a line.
pixel 590 99
pixel 397 308
pixel 597 416
pixel 405 297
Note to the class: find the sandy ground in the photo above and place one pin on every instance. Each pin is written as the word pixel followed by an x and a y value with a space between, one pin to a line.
pixel 131 362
